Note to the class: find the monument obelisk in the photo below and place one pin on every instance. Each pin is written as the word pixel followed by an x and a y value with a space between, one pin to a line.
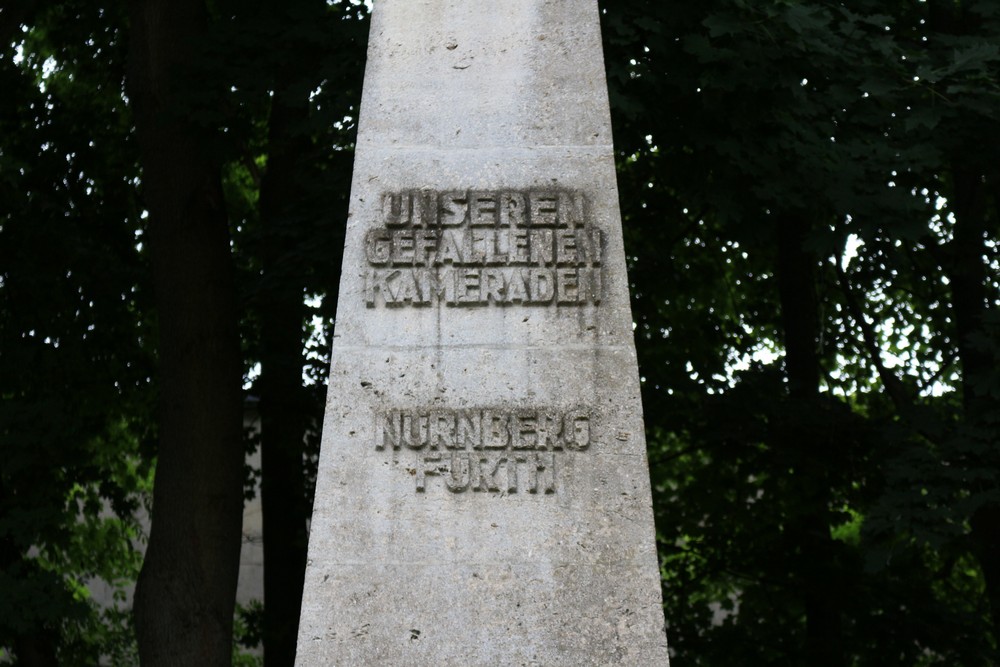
pixel 483 494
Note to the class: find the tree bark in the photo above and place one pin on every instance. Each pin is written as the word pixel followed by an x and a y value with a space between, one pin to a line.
pixel 186 590
pixel 810 531
pixel 968 277
pixel 282 403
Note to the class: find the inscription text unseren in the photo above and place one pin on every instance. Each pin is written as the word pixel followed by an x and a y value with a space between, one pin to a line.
pixel 480 248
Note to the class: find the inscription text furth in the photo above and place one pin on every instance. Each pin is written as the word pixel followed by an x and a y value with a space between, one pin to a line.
pixel 470 448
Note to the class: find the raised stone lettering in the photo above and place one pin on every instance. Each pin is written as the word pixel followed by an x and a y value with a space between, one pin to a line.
pixel 571 209
pixel 402 248
pixel 470 293
pixel 496 434
pixel 512 207
pixel 457 479
pixel 428 465
pixel 524 429
pixel 395 209
pixel 487 471
pixel 576 429
pixel 424 244
pixel 442 424
pixel 541 473
pixel 469 429
pixel 387 430
pixel 413 430
pixel 567 285
pixel 477 500
pixel 540 250
pixel 492 237
pixel 516 289
pixel 483 209
pixel 449 249
pixel 540 286
pixel 454 209
pixel 377 246
pixel 566 247
pixel 500 450
pixel 544 207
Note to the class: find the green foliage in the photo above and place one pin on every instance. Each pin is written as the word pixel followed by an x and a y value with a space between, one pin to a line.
pixel 869 130
pixel 248 635
pixel 849 119
pixel 77 328
pixel 75 367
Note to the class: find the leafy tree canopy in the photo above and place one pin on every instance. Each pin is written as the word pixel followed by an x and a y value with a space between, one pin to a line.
pixel 864 136
pixel 810 196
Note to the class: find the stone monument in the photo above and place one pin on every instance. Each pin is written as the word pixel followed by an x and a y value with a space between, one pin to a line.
pixel 483 494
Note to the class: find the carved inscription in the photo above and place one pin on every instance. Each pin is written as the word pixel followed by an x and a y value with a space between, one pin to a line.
pixel 486 449
pixel 479 248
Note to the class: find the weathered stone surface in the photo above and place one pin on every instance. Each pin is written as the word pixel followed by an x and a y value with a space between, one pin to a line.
pixel 483 495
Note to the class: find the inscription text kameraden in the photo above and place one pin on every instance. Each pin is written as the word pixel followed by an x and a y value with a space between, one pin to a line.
pixel 483 248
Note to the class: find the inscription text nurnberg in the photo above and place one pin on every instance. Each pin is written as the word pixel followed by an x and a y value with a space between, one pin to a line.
pixel 479 248
pixel 486 449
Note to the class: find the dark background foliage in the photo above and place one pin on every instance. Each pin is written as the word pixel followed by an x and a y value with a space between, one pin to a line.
pixel 811 199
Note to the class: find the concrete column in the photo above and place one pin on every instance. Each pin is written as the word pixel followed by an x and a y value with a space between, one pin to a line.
pixel 483 495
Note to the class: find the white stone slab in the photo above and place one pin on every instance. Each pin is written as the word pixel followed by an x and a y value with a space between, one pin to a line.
pixel 483 495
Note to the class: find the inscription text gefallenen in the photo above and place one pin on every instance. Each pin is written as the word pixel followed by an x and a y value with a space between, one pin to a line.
pixel 479 248
pixel 486 449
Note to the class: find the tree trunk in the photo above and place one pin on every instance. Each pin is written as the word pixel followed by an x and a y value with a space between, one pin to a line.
pixel 810 531
pixel 968 277
pixel 186 590
pixel 283 407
